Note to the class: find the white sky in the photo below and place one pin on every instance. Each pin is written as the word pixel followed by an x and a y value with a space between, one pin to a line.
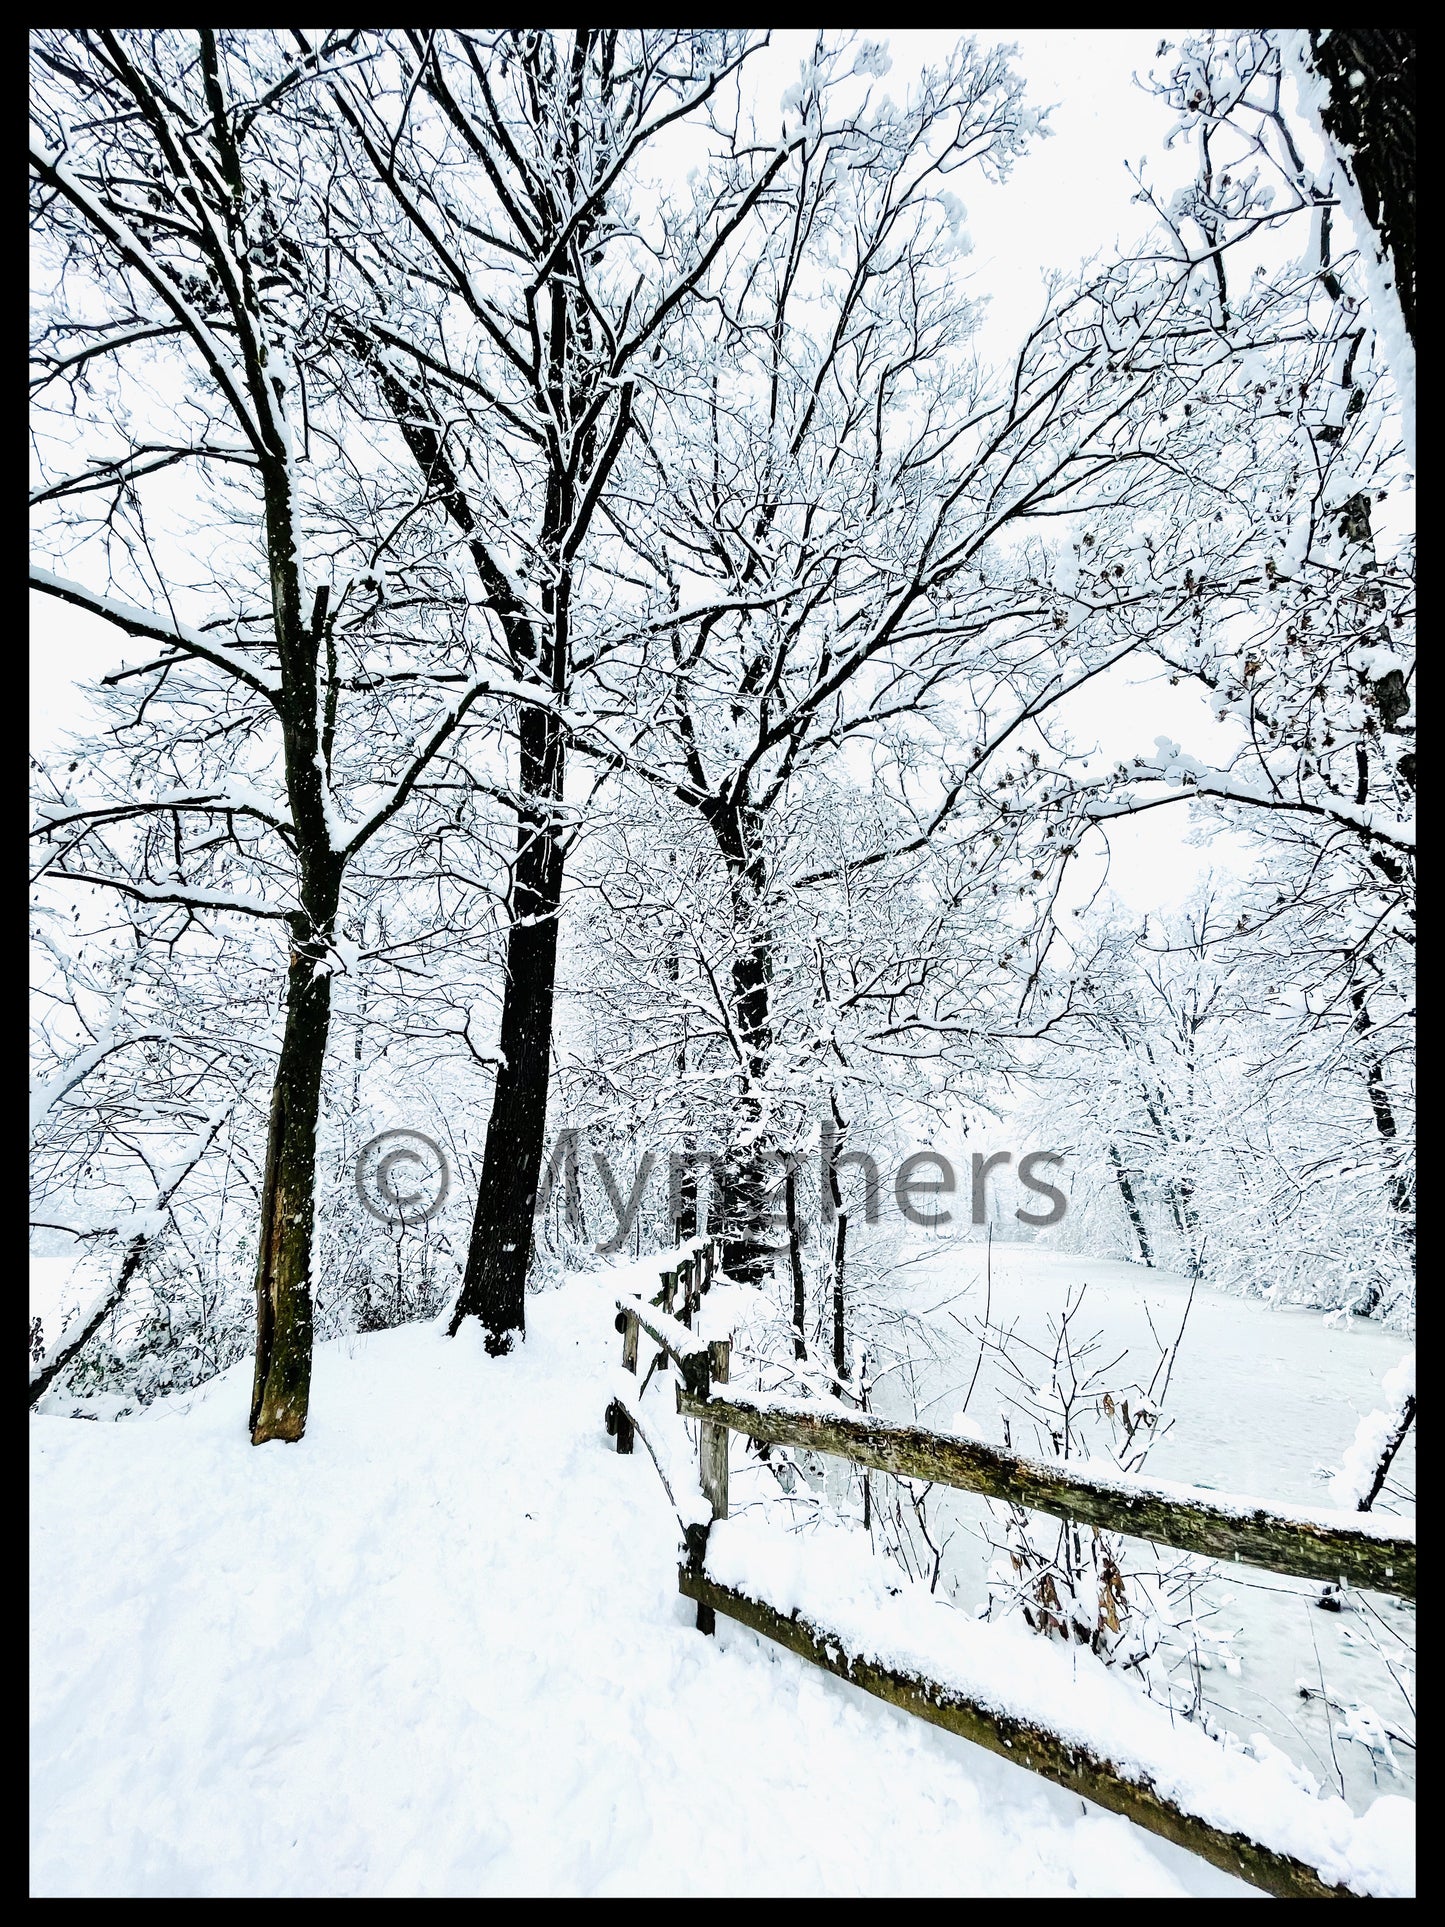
pixel 1068 197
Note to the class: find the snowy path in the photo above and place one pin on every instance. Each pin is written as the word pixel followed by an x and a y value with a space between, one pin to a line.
pixel 437 1649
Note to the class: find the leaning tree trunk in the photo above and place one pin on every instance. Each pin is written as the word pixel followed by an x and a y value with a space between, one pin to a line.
pixel 281 1389
pixel 1370 119
pixel 1394 1439
pixel 494 1288
pixel 46 1370
pixel 1401 1192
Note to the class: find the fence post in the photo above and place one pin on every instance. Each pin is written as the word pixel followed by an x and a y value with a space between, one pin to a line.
pixel 684 1279
pixel 617 1420
pixel 669 1288
pixel 712 1446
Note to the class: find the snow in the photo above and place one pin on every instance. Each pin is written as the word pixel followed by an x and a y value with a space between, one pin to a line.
pixel 677 1469
pixel 872 59
pixel 832 1581
pixel 143 622
pixel 338 830
pixel 1378 662
pixel 1104 1475
pixel 1378 271
pixel 436 1648
pixel 680 1339
pixel 44 1096
pixel 1177 767
pixel 1262 1400
pixel 178 892
pixel 1352 1482
pixel 133 1226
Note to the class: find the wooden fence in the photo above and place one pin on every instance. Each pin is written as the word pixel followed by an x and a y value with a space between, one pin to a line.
pixel 1279 1538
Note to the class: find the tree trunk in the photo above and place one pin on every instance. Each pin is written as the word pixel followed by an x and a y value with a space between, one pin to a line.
pixel 795 1259
pixel 684 1203
pixel 494 1287
pixel 748 1169
pixel 1131 1206
pixel 1189 1225
pixel 1404 1420
pixel 1401 1192
pixel 833 1139
pixel 686 1226
pixel 840 1326
pixel 282 1386
pixel 1371 123
pixel 748 1172
pixel 747 1175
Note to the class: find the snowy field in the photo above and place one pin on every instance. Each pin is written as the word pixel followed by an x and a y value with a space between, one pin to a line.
pixel 437 1649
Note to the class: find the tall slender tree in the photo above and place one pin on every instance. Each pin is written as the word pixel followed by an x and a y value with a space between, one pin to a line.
pixel 520 304
pixel 176 198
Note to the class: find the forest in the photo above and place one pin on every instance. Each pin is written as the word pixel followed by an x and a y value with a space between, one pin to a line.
pixel 641 699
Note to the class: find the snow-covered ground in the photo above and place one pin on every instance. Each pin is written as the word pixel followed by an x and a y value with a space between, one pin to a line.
pixel 1263 1401
pixel 437 1648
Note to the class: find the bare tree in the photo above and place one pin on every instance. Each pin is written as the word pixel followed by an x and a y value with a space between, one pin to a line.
pixel 872 579
pixel 519 308
pixel 172 184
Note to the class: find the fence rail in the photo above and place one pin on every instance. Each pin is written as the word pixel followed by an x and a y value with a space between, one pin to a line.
pixel 702 1365
pixel 1050 1755
pixel 1190 1518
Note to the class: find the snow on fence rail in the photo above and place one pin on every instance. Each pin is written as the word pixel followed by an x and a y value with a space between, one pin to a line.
pixel 1148 1784
pixel 1378 1554
pixel 1048 1708
pixel 1080 1768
